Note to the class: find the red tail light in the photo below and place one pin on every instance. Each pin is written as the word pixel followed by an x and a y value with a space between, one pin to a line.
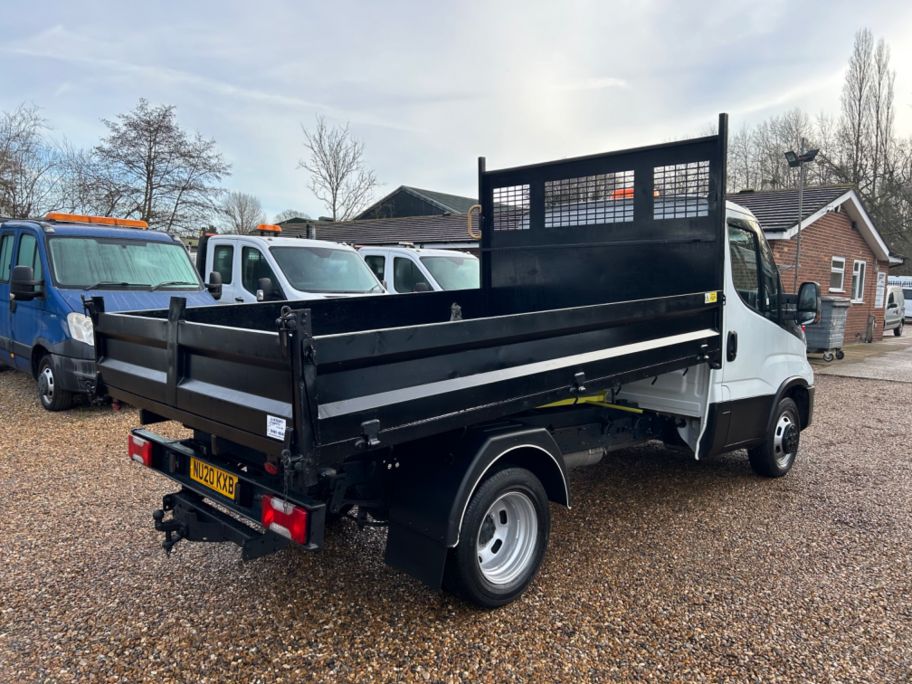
pixel 140 450
pixel 285 518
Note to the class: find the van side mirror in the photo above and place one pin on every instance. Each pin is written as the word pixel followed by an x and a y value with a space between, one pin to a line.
pixel 265 290
pixel 808 305
pixel 22 283
pixel 215 285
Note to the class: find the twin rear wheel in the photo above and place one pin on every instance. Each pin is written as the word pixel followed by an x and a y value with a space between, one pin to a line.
pixel 502 541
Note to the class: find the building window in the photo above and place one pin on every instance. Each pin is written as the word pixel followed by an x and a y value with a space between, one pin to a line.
pixel 858 276
pixel 837 274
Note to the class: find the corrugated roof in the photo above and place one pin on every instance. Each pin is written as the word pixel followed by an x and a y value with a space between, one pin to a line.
pixel 777 210
pixel 418 229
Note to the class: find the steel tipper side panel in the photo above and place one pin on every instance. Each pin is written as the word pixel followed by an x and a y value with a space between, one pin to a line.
pixel 227 381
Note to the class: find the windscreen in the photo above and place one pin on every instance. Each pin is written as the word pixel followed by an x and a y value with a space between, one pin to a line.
pixel 325 269
pixel 453 272
pixel 100 263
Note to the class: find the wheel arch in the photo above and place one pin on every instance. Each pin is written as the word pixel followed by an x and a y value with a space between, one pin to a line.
pixel 39 351
pixel 547 465
pixel 428 495
pixel 798 390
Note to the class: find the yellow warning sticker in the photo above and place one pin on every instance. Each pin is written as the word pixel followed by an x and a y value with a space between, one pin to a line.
pixel 711 298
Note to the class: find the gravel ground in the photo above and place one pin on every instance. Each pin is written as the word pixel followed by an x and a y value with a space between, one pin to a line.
pixel 665 570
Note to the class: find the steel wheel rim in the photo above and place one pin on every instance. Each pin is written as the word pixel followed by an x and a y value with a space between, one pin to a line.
pixel 507 538
pixel 785 440
pixel 47 387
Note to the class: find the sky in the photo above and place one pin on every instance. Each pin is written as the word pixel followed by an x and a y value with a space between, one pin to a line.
pixel 431 86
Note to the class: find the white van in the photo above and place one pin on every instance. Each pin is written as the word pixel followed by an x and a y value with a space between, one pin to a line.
pixel 895 310
pixel 411 269
pixel 267 267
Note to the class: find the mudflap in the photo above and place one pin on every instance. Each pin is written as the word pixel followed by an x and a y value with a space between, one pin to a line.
pixel 195 520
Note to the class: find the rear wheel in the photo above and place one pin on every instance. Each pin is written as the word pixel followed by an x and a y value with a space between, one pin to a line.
pixel 503 539
pixel 51 396
pixel 775 457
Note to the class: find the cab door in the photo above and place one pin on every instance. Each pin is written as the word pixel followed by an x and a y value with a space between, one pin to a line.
pixel 7 238
pixel 762 348
pixel 27 318
pixel 221 258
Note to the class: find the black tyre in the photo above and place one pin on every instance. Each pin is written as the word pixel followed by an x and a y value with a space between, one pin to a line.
pixel 503 539
pixel 899 329
pixel 51 396
pixel 775 457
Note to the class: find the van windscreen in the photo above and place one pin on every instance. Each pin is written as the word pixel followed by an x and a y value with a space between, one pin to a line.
pixel 100 263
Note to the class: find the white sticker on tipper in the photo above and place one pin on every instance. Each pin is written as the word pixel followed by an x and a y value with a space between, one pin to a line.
pixel 275 427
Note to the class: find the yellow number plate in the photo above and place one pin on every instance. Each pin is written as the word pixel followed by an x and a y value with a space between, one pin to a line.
pixel 214 478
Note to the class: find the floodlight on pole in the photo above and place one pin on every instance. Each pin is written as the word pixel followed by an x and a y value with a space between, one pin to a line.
pixel 799 160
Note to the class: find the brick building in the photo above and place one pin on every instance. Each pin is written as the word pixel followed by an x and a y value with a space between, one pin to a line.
pixel 840 248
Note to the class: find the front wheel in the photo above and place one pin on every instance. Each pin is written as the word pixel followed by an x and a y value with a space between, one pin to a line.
pixel 51 396
pixel 899 329
pixel 503 539
pixel 775 457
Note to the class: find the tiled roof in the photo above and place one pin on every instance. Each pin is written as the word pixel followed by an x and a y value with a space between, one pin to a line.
pixel 454 204
pixel 777 210
pixel 418 229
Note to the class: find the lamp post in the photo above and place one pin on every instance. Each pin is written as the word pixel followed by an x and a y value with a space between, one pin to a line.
pixel 799 160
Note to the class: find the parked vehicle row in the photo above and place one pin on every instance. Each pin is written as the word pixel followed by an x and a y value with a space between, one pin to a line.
pixel 49 267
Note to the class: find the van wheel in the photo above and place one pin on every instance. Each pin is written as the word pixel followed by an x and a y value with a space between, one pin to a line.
pixel 503 539
pixel 898 330
pixel 775 457
pixel 51 396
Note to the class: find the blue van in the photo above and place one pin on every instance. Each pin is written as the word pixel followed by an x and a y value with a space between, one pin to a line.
pixel 48 266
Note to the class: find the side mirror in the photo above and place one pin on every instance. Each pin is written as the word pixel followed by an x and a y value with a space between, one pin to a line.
pixel 22 283
pixel 808 307
pixel 265 290
pixel 215 285
pixel 422 286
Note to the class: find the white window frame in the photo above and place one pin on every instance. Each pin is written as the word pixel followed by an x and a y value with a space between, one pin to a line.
pixel 858 285
pixel 840 271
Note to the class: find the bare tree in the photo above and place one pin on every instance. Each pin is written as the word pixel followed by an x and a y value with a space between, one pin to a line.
pixel 339 176
pixel 881 115
pixel 242 212
pixel 290 214
pixel 151 169
pixel 856 106
pixel 30 168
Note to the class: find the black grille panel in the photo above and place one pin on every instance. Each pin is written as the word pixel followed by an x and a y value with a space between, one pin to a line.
pixel 589 200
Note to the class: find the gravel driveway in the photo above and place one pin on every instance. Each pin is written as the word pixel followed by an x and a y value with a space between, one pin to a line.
pixel 665 570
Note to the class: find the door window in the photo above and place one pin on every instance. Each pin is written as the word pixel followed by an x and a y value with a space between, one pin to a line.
pixel 377 263
pixel 754 272
pixel 6 256
pixel 222 262
pixel 28 255
pixel 406 275
pixel 891 301
pixel 253 267
pixel 743 247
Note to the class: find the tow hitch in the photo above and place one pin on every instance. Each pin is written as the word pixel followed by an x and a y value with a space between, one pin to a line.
pixel 195 520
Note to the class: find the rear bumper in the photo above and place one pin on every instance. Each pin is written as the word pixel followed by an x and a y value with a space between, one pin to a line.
pixel 198 520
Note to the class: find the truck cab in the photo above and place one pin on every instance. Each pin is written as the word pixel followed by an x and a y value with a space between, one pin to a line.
pixel 48 268
pixel 406 268
pixel 267 267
